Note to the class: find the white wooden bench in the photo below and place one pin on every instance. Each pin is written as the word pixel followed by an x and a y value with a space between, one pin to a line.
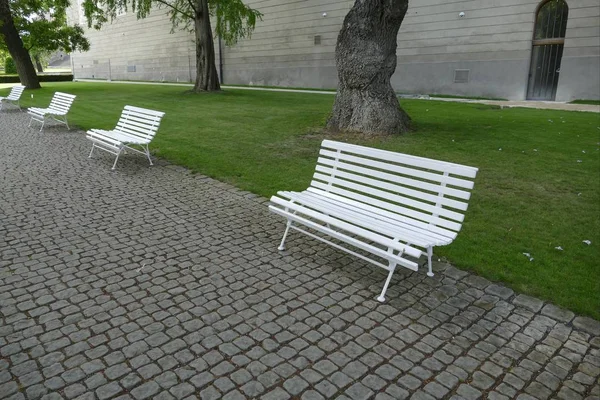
pixel 58 108
pixel 13 97
pixel 389 205
pixel 137 126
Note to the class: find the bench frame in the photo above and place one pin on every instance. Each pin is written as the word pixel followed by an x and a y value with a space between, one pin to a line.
pixel 14 97
pixel 389 205
pixel 59 107
pixel 116 147
pixel 136 127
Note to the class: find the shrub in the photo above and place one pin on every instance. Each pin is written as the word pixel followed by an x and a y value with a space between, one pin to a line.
pixel 9 66
pixel 42 78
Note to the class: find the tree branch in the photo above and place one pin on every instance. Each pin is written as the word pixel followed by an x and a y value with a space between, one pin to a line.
pixel 175 8
pixel 192 5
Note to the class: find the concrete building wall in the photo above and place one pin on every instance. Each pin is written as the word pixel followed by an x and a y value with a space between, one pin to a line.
pixel 132 49
pixel 294 45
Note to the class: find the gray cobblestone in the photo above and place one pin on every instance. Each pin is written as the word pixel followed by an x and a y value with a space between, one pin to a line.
pixel 216 312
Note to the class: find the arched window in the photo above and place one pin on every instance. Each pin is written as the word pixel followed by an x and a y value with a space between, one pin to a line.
pixel 546 55
pixel 551 20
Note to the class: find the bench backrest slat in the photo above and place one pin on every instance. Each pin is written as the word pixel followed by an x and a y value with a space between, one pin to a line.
pixel 61 102
pixel 15 93
pixel 435 193
pixel 409 184
pixel 420 162
pixel 140 122
pixel 403 170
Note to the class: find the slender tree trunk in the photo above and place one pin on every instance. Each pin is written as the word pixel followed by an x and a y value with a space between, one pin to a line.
pixel 38 64
pixel 207 78
pixel 16 49
pixel 366 60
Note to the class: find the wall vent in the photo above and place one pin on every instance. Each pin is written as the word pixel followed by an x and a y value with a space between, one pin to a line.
pixel 95 62
pixel 461 75
pixel 131 68
pixel 317 40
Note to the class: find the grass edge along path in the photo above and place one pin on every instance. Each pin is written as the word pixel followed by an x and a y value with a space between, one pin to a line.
pixel 536 193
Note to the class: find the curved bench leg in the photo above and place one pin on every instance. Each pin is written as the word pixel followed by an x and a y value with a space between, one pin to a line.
pixel 148 155
pixel 381 297
pixel 91 151
pixel 287 228
pixel 117 159
pixel 429 255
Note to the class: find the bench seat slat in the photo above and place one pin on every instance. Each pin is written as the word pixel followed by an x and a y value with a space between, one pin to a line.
pixel 367 219
pixel 388 206
pixel 42 111
pixel 120 137
pixel 391 197
pixel 354 229
pixel 409 223
pixel 350 240
pixel 421 162
pixel 354 217
pixel 429 233
pixel 102 136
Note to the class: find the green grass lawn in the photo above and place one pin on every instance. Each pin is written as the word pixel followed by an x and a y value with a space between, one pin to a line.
pixel 531 194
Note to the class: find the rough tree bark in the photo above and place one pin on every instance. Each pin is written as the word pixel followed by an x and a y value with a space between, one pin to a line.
pixel 366 59
pixel 207 78
pixel 16 49
pixel 38 64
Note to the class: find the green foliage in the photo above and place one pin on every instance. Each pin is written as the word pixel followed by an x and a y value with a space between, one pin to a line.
pixel 3 55
pixel 9 66
pixel 524 201
pixel 42 25
pixel 234 19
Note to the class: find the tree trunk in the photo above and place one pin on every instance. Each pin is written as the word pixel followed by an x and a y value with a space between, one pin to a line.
pixel 38 64
pixel 207 78
pixel 366 60
pixel 16 49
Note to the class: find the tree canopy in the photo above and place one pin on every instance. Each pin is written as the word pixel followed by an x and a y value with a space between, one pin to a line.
pixel 234 20
pixel 32 28
pixel 42 25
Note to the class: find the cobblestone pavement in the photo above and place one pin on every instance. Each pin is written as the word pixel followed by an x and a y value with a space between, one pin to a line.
pixel 150 282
